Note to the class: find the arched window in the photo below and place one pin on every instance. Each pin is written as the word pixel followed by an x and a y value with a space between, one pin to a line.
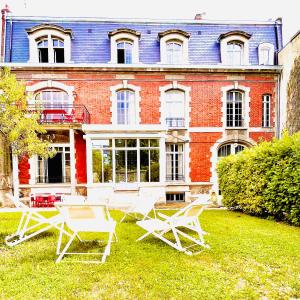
pixel 49 44
pixel 229 149
pixel 43 51
pixel 124 52
pixel 175 110
pixel 174 52
pixel 266 111
pixel 126 111
pixel 235 53
pixel 234 109
pixel 52 97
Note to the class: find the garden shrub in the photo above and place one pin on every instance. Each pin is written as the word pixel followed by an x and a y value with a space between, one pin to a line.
pixel 264 180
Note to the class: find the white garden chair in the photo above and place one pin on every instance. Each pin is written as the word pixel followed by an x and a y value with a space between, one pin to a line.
pixel 83 218
pixel 31 224
pixel 187 217
pixel 143 205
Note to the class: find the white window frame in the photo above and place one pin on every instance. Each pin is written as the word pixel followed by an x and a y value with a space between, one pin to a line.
pixel 126 148
pixel 172 153
pixel 187 98
pixel 172 37
pixel 266 111
pixel 233 148
pixel 261 58
pixel 246 105
pixel 235 102
pixel 47 85
pixel 234 38
pixel 48 32
pixel 124 35
pixel 64 152
pixel 136 90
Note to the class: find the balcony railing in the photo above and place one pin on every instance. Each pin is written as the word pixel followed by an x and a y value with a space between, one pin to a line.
pixel 174 177
pixel 53 179
pixel 61 113
pixel 175 122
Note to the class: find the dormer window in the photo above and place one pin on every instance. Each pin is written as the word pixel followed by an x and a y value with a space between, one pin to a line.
pixel 235 53
pixel 124 51
pixel 174 52
pixel 49 44
pixel 124 46
pixel 266 54
pixel 43 51
pixel 174 47
pixel 234 46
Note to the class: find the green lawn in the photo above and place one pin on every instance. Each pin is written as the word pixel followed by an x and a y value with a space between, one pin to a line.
pixel 250 258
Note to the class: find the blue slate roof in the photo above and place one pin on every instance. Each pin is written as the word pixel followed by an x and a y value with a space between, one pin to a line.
pixel 91 44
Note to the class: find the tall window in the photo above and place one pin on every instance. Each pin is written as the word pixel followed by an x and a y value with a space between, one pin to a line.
pixel 58 51
pixel 43 51
pixel 125 160
pixel 229 149
pixel 266 54
pixel 56 169
pixel 174 52
pixel 266 111
pixel 175 108
pixel 126 111
pixel 235 53
pixel 234 109
pixel 175 162
pixel 124 52
pixel 52 97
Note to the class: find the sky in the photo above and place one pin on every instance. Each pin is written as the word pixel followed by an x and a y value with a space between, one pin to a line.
pixel 166 9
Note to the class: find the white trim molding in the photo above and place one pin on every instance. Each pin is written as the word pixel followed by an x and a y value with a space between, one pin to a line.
pixel 187 99
pixel 232 36
pixel 49 31
pixel 113 98
pixel 174 36
pixel 124 35
pixel 248 142
pixel 50 84
pixel 270 48
pixel 245 108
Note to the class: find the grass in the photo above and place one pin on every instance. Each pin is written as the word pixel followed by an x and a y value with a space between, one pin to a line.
pixel 250 258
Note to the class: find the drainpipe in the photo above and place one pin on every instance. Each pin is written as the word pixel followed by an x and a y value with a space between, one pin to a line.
pixel 4 12
pixel 10 39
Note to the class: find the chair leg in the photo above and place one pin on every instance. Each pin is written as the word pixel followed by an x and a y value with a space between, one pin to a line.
pixel 66 248
pixel 107 248
pixel 60 238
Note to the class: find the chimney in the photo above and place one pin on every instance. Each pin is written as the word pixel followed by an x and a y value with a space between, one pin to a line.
pixel 4 12
pixel 199 16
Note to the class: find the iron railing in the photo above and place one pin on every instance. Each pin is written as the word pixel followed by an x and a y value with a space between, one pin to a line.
pixel 175 122
pixel 53 179
pixel 61 113
pixel 174 177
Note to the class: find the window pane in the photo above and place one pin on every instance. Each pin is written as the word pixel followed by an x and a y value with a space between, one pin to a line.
pixel 144 143
pixel 120 166
pixel 131 166
pixel 154 143
pixel 174 53
pixel 107 166
pixel 97 165
pixel 131 143
pixel 125 107
pixel 144 165
pixel 154 165
pixel 120 143
pixel 234 53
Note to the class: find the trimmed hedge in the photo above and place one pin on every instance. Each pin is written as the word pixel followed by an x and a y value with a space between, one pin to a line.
pixel 264 180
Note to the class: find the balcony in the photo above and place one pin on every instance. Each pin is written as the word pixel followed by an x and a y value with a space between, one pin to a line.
pixel 174 177
pixel 175 122
pixel 61 113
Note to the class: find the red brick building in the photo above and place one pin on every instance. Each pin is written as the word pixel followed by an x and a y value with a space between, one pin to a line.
pixel 143 106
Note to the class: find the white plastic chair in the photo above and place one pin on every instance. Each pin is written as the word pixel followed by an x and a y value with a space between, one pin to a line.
pixel 142 206
pixel 187 217
pixel 73 199
pixel 80 218
pixel 31 223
